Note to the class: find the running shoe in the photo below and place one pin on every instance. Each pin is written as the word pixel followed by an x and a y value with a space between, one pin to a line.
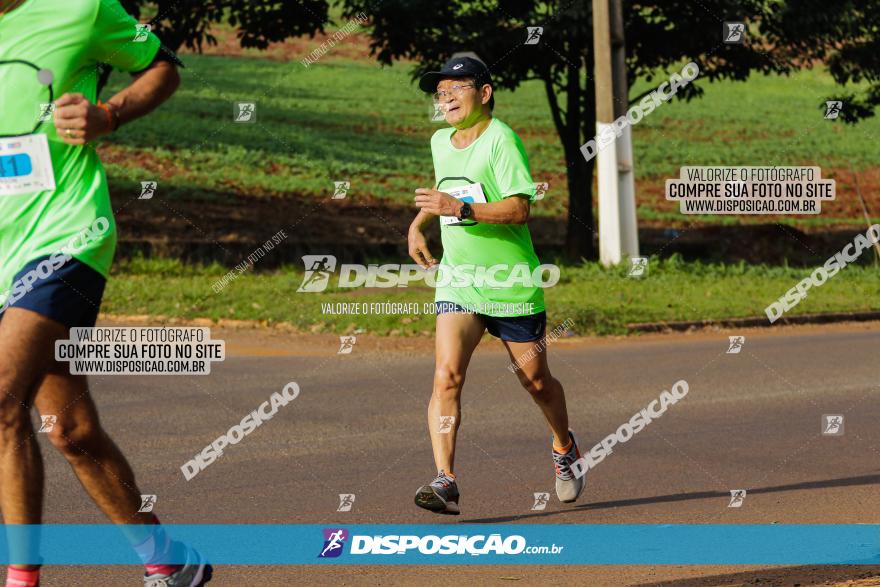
pixel 568 487
pixel 194 573
pixel 440 496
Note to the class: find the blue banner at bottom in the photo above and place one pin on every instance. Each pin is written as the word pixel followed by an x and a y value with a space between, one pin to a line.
pixel 473 544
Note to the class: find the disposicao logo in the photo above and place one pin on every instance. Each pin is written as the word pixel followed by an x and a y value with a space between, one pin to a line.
pixel 396 544
pixel 334 541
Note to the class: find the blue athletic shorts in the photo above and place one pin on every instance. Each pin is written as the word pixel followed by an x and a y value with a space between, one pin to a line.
pixel 70 294
pixel 514 329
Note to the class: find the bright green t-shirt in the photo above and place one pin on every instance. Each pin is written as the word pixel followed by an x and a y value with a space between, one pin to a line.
pixel 497 161
pixel 69 38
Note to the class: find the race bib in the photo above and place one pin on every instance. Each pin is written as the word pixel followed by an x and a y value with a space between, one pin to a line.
pixel 25 165
pixel 471 193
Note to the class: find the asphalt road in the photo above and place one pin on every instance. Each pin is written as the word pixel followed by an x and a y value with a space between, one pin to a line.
pixel 750 420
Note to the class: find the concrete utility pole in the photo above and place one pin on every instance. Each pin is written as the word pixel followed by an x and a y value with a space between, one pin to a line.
pixel 618 232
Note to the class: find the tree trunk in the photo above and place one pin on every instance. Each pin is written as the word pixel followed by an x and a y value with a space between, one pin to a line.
pixel 579 236
pixel 580 116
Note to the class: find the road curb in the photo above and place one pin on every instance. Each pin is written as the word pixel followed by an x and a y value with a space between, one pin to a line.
pixel 684 325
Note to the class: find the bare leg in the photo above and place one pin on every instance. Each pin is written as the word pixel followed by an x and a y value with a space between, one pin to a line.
pixel 27 347
pixel 458 334
pixel 546 391
pixel 97 461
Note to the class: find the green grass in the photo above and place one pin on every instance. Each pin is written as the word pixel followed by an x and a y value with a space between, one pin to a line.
pixel 351 120
pixel 600 301
pixel 768 120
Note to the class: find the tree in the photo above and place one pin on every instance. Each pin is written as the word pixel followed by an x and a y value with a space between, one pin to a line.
pixel 187 23
pixel 659 35
pixel 782 36
pixel 843 35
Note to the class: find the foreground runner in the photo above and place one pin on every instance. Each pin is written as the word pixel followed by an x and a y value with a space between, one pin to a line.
pixel 483 160
pixel 56 246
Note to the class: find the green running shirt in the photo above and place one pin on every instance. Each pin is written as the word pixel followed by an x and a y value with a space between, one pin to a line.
pixel 69 38
pixel 497 160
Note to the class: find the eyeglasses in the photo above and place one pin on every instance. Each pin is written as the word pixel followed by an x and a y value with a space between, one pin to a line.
pixel 455 90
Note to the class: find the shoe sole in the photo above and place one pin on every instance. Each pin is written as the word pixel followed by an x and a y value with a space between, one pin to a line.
pixel 204 574
pixel 426 498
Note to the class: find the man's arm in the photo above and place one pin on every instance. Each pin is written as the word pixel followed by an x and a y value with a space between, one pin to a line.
pixel 510 210
pixel 418 245
pixel 86 121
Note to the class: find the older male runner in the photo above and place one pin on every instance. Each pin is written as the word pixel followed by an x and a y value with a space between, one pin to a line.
pixel 57 239
pixel 483 162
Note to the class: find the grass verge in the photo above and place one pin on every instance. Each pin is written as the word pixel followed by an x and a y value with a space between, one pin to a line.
pixel 600 301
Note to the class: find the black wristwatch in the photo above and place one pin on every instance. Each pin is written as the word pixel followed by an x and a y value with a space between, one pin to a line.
pixel 465 212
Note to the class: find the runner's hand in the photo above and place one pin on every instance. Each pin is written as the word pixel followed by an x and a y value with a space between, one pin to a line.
pixel 78 121
pixel 418 250
pixel 437 203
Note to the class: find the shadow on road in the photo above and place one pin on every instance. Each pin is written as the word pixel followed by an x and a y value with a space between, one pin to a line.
pixel 804 575
pixel 369 228
pixel 842 482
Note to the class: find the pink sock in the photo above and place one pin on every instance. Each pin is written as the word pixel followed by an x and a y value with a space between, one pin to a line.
pixel 22 578
pixel 156 548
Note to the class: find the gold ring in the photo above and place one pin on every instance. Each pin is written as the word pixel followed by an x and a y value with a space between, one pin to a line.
pixel 68 132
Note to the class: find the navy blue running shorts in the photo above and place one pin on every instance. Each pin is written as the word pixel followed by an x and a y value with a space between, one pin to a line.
pixel 513 329
pixel 70 293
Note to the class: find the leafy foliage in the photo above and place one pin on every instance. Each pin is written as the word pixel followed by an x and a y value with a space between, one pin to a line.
pixel 844 35
pixel 187 22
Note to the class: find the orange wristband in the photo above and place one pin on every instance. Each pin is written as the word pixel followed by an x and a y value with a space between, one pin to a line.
pixel 112 117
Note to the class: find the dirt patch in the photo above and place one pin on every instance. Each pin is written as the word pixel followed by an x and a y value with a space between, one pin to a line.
pixel 651 193
pixel 140 159
pixel 872 581
pixel 250 221
pixel 353 47
pixel 226 228
pixel 650 190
